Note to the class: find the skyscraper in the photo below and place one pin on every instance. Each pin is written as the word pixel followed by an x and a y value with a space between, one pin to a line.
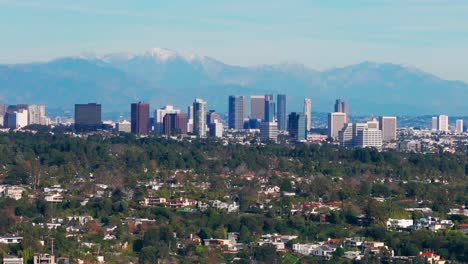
pixel 88 117
pixel 269 109
pixel 308 113
pixel 236 112
pixel 140 118
pixel 459 126
pixel 297 126
pixel 434 123
pixel 16 119
pixel 159 117
pixel 190 118
pixel 342 107
pixel 257 106
pixel 281 112
pixel 2 114
pixel 36 115
pixel 388 125
pixel 442 123
pixel 216 129
pixel 199 117
pixel 175 124
pixel 213 117
pixel 336 122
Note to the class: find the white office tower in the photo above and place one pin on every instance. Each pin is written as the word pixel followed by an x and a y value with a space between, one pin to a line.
pixel 442 123
pixel 434 123
pixel 190 119
pixel 268 131
pixel 216 129
pixel 199 117
pixel 36 115
pixel 16 119
pixel 388 125
pixel 368 138
pixel 459 126
pixel 159 117
pixel 123 126
pixel 308 113
pixel 336 122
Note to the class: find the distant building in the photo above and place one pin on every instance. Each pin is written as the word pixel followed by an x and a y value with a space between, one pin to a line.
pixel 360 135
pixel 409 146
pixel 236 112
pixel 297 126
pixel 308 112
pixel 213 117
pixel 341 107
pixel 175 124
pixel 252 124
pixel 268 131
pixel 388 125
pixel 269 113
pixel 2 114
pixel 373 123
pixel 442 123
pixel 9 259
pixel 36 115
pixel 123 126
pixel 199 118
pixel 257 106
pixel 281 112
pixel 190 119
pixel 16 119
pixel 88 117
pixel 44 259
pixel 216 129
pixel 434 123
pixel 159 117
pixel 140 118
pixel 459 126
pixel 336 122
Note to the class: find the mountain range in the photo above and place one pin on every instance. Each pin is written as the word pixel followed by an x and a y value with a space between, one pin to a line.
pixel 162 76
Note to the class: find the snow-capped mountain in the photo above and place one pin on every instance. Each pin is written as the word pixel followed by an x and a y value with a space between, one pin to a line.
pixel 162 76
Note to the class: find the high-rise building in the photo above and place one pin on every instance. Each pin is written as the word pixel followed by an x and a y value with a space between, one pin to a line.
pixel 88 117
pixel 368 137
pixel 175 124
pixel 281 112
pixel 336 122
pixel 216 129
pixel 388 125
pixel 268 131
pixel 346 136
pixel 236 112
pixel 373 123
pixel 459 126
pixel 36 115
pixel 435 124
pixel 16 119
pixel 159 117
pixel 213 117
pixel 442 123
pixel 308 112
pixel 257 106
pixel 297 126
pixel 199 117
pixel 140 118
pixel 341 106
pixel 2 114
pixel 269 113
pixel 190 119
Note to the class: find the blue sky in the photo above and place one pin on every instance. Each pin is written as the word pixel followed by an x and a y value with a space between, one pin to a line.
pixel 428 34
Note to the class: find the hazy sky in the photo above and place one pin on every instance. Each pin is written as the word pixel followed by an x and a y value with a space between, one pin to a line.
pixel 431 35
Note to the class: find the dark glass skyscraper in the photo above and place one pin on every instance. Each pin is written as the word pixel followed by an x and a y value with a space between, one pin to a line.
pixel 281 111
pixel 269 109
pixel 297 126
pixel 140 118
pixel 175 124
pixel 88 117
pixel 236 112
